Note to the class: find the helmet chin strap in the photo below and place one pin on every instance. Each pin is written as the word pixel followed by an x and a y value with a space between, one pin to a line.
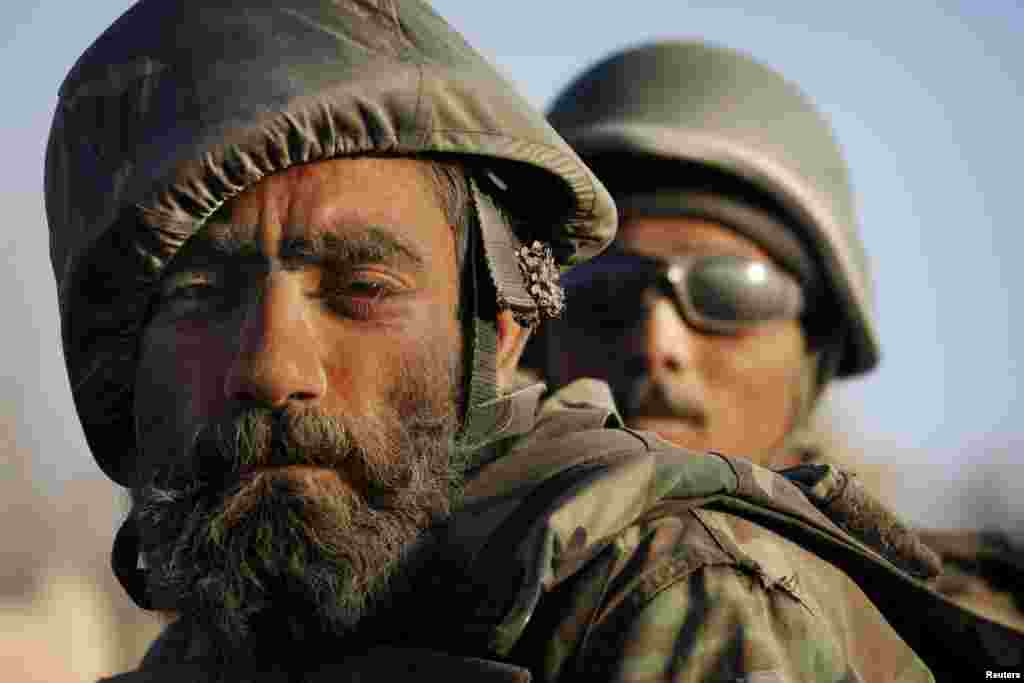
pixel 491 282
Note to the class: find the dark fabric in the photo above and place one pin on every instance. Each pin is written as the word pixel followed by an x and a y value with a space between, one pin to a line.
pixel 380 664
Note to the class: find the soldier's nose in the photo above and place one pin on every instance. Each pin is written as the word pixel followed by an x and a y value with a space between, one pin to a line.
pixel 668 340
pixel 278 359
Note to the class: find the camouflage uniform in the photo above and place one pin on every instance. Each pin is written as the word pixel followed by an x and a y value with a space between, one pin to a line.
pixel 584 550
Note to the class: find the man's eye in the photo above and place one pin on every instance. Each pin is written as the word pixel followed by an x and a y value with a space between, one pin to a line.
pixel 367 288
pixel 187 295
pixel 359 296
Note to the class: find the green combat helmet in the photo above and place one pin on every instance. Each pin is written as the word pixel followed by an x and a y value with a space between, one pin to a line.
pixel 708 105
pixel 180 106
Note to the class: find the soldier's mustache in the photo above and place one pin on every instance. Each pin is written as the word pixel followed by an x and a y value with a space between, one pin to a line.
pixel 649 396
pixel 260 438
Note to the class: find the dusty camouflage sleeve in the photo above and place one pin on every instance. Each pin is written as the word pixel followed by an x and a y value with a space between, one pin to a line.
pixel 711 598
pixel 720 624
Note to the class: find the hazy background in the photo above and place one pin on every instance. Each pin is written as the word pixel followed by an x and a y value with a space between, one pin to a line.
pixel 926 99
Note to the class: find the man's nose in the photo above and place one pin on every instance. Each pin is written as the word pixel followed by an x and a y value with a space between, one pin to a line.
pixel 278 359
pixel 667 338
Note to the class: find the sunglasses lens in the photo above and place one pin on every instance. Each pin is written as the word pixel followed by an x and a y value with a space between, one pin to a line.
pixel 719 294
pixel 737 291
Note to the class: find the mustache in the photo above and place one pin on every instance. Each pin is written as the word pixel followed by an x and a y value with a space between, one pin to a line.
pixel 651 396
pixel 367 447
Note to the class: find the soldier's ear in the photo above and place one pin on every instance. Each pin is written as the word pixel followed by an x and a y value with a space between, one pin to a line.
pixel 512 338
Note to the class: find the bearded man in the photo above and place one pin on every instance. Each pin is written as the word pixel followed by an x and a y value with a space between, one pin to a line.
pixel 300 247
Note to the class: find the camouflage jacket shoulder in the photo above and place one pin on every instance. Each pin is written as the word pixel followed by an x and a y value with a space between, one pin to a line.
pixel 598 551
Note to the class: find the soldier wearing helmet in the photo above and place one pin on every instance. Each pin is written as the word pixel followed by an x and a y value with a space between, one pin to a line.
pixel 747 287
pixel 738 287
pixel 299 247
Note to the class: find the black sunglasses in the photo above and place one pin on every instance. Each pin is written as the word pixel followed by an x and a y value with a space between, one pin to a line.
pixel 720 294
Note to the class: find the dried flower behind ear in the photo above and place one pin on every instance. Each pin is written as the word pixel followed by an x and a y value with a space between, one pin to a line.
pixel 538 267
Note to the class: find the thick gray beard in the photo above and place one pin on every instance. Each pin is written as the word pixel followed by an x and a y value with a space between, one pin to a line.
pixel 275 559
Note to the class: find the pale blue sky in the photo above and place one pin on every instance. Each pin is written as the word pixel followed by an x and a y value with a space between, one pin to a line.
pixel 926 99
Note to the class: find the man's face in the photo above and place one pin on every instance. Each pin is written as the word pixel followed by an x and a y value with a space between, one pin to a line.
pixel 295 400
pixel 735 393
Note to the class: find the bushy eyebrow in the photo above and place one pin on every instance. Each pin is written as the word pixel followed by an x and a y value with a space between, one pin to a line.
pixel 368 246
pixel 372 245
